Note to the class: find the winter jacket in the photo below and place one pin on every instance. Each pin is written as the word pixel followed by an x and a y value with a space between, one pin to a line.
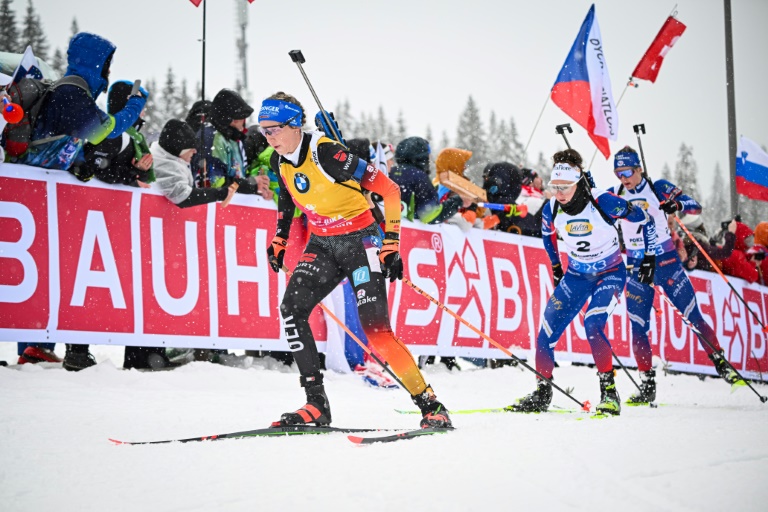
pixel 112 160
pixel 70 110
pixel 225 158
pixel 714 252
pixel 737 264
pixel 420 197
pixel 173 174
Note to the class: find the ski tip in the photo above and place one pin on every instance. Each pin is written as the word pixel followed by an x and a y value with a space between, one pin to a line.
pixel 586 405
pixel 116 442
pixel 653 405
pixel 355 439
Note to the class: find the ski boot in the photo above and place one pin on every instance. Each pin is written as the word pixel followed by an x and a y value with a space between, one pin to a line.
pixel 724 370
pixel 434 413
pixel 38 355
pixel 317 410
pixel 77 358
pixel 538 401
pixel 610 403
pixel 647 389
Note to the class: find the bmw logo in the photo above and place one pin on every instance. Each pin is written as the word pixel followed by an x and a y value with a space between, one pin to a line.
pixel 301 182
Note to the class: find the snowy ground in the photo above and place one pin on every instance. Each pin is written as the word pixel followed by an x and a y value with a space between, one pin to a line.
pixel 704 450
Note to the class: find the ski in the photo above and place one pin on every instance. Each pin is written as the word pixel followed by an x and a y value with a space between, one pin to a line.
pixel 297 430
pixel 402 436
pixel 494 410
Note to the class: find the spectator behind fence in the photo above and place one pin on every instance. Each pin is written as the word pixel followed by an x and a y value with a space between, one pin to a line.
pixel 503 183
pixel 738 264
pixel 126 159
pixel 411 173
pixel 223 139
pixel 533 196
pixel 197 113
pixel 697 261
pixel 172 154
pixel 758 252
pixel 69 115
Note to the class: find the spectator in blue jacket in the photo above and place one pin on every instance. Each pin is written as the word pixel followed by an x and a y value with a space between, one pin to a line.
pixel 69 115
pixel 411 173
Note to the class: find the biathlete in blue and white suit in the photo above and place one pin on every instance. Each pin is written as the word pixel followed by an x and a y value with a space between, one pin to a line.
pixel 584 218
pixel 658 199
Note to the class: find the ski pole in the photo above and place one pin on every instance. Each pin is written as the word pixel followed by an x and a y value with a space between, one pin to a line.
pixel 711 262
pixel 651 404
pixel 638 128
pixel 298 58
pixel 709 344
pixel 357 340
pixel 585 405
pixel 560 129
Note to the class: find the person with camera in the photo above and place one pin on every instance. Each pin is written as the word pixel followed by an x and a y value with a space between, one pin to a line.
pixel 695 260
pixel 738 263
pixel 658 199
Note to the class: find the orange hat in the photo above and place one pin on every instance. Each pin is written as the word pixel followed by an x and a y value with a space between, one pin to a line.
pixel 761 234
pixel 453 160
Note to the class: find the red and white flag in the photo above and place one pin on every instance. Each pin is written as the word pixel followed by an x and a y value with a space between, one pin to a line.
pixel 649 66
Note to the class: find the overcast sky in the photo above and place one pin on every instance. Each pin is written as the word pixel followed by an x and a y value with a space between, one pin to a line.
pixel 425 57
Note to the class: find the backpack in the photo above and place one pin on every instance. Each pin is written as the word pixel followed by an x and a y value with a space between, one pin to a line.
pixel 30 94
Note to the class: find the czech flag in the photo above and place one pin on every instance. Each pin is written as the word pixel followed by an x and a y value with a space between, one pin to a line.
pixel 583 88
pixel 751 170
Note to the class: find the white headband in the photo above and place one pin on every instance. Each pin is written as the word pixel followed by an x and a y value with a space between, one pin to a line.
pixel 565 172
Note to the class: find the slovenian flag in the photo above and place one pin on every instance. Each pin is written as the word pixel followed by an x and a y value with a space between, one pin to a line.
pixel 28 66
pixel 583 88
pixel 751 170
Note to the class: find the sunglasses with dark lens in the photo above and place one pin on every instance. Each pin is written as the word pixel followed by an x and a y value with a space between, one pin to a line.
pixel 626 173
pixel 274 130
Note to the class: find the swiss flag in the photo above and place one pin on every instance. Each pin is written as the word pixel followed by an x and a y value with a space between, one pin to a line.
pixel 649 66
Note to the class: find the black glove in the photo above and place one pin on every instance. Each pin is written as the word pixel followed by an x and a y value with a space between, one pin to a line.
pixel 647 269
pixel 276 253
pixel 670 206
pixel 557 273
pixel 391 264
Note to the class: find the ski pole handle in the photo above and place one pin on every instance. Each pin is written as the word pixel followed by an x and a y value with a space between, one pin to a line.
pixel 298 58
pixel 561 128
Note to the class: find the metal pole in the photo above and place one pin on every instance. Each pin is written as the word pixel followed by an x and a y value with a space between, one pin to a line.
pixel 202 86
pixel 730 90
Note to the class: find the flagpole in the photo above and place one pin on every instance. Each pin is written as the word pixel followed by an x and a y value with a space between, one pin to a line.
pixel 525 150
pixel 202 87
pixel 630 83
pixel 731 94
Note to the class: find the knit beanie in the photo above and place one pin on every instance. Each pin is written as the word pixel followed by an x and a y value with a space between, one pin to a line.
pixel 361 148
pixel 176 137
pixel 414 151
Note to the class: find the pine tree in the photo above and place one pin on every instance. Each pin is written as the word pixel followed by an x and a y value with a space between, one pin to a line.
pixel 32 33
pixel 471 135
pixel 402 131
pixel 59 63
pixel 74 29
pixel 502 143
pixel 717 203
pixel 153 118
pixel 666 172
pixel 167 102
pixel 9 34
pixel 518 150
pixel 445 142
pixel 544 168
pixel 428 134
pixel 495 139
pixel 183 102
pixel 686 172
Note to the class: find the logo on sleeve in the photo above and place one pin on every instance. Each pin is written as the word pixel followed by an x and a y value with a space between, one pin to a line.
pixel 301 182
pixel 341 156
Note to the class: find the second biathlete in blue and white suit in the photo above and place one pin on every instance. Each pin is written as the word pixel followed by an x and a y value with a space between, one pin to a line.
pixel 584 218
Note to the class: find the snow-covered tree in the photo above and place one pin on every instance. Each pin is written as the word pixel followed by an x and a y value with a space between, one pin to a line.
pixel 183 101
pixel 717 207
pixel 401 131
pixel 9 34
pixel 153 118
pixel 428 136
pixel 32 33
pixel 59 63
pixel 518 149
pixel 74 29
pixel 686 172
pixel 502 143
pixel 445 141
pixel 470 134
pixel 167 100
pixel 666 172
